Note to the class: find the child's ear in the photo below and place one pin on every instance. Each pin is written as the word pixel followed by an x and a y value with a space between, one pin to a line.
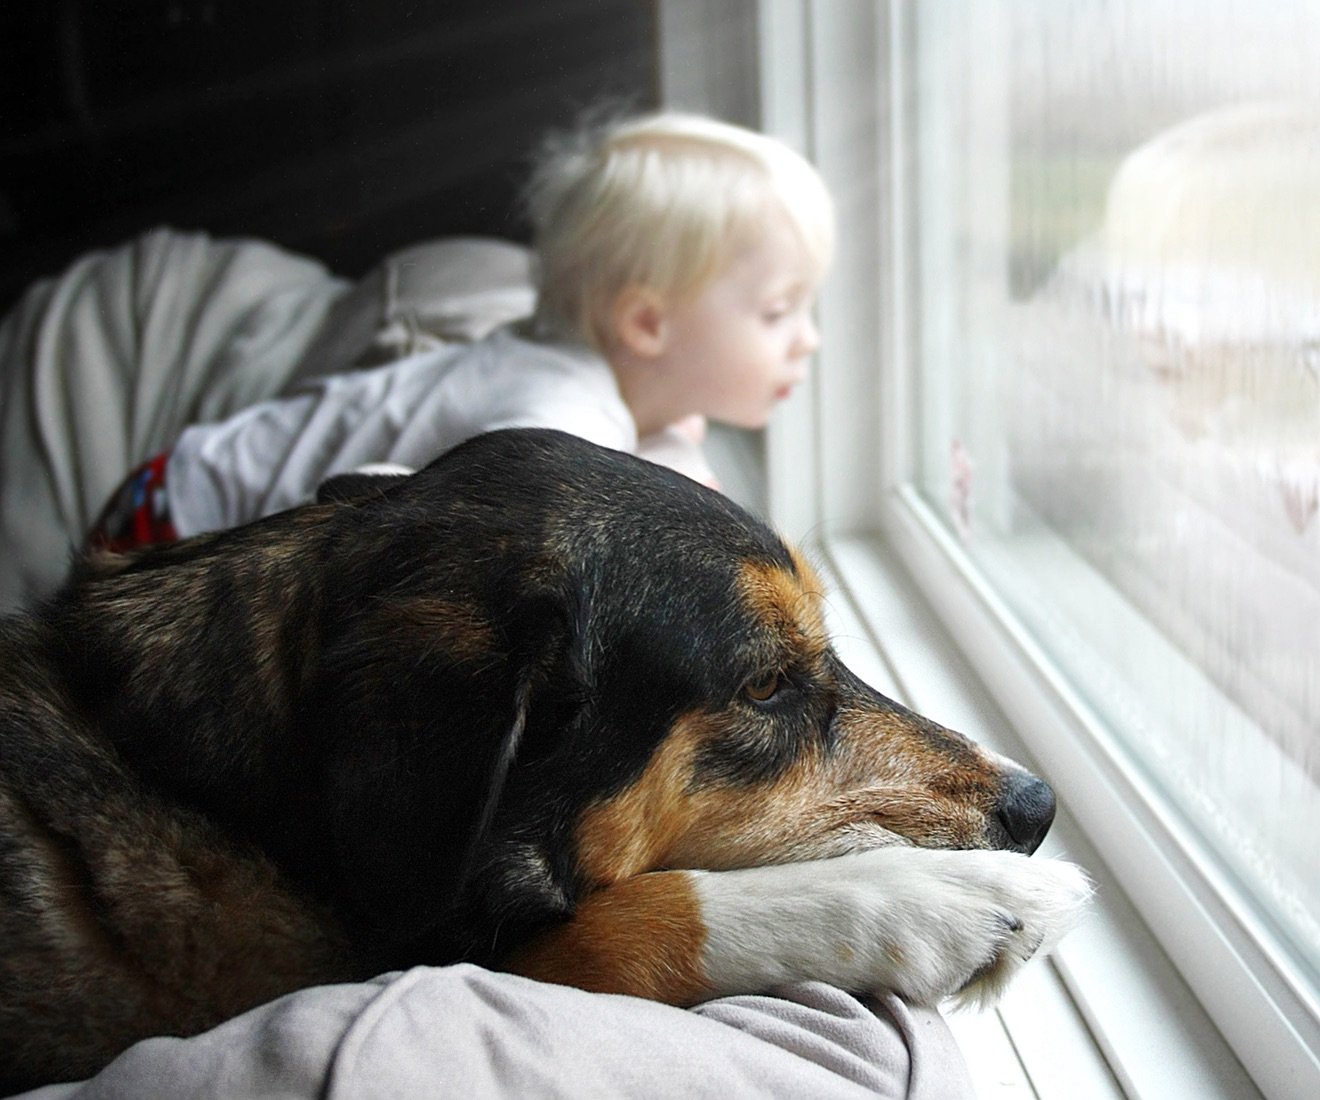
pixel 641 321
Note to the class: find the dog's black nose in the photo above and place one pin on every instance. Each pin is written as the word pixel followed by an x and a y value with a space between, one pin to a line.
pixel 1025 810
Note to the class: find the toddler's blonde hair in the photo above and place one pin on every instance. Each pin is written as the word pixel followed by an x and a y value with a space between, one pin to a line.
pixel 663 201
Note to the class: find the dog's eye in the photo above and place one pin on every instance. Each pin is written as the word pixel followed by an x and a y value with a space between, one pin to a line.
pixel 764 688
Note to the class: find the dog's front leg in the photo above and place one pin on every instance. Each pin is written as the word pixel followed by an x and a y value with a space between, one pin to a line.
pixel 925 924
pixel 645 936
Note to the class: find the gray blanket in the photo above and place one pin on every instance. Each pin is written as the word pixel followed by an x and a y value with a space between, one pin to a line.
pixel 461 1031
pixel 102 367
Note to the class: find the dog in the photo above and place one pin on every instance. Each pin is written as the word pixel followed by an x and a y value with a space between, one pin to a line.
pixel 543 706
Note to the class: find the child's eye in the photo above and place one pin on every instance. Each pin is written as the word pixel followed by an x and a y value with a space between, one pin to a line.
pixel 783 309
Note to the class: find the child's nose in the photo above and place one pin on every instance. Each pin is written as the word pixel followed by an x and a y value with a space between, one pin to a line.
pixel 808 338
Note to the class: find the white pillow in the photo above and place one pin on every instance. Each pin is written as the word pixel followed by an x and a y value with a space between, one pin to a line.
pixel 451 290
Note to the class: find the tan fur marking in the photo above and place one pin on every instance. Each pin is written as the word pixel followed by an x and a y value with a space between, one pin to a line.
pixel 633 831
pixel 662 822
pixel 787 605
pixel 642 937
pixel 875 779
pixel 881 776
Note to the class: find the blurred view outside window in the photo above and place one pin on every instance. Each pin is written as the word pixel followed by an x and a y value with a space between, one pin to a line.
pixel 1113 222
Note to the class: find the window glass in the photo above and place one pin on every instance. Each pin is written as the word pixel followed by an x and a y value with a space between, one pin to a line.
pixel 1113 221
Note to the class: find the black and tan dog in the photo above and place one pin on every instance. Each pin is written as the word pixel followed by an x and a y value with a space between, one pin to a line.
pixel 542 705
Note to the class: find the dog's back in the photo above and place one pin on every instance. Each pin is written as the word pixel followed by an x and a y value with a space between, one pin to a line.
pixel 121 914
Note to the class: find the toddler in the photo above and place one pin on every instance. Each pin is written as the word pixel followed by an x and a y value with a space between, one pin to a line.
pixel 677 262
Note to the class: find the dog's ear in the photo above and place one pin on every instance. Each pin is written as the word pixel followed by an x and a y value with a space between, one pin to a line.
pixel 515 869
pixel 504 756
pixel 425 739
pixel 515 877
pixel 365 481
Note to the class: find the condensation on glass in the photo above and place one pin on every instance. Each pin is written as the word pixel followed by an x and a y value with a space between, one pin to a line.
pixel 1114 220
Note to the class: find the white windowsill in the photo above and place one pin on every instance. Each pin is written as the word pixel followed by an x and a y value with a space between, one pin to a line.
pixel 1108 1016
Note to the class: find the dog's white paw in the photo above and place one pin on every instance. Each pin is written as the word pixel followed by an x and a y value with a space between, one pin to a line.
pixel 987 914
pixel 925 924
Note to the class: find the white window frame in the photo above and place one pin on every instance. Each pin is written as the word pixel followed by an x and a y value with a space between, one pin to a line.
pixel 840 469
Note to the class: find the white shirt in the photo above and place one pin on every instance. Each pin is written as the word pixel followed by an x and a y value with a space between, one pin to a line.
pixel 274 455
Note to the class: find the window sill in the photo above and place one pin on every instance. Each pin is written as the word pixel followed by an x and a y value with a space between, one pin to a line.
pixel 1107 1015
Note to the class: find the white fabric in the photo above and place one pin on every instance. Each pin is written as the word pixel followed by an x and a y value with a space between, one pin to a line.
pixel 101 367
pixel 461 1031
pixel 274 455
pixel 449 291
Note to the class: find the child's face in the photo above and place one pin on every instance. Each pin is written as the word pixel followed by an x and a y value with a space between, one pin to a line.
pixel 744 341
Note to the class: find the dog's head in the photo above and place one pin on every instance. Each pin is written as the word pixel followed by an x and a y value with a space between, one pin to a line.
pixel 547 666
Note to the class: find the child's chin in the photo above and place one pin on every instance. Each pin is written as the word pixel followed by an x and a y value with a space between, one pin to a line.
pixel 749 418
pixel 750 422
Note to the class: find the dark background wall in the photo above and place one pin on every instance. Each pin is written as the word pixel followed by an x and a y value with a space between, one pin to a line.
pixel 339 128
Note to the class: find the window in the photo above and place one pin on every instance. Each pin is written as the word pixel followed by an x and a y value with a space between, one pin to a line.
pixel 1071 374
pixel 1116 316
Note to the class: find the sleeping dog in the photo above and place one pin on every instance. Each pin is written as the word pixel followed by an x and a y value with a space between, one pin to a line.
pixel 543 706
